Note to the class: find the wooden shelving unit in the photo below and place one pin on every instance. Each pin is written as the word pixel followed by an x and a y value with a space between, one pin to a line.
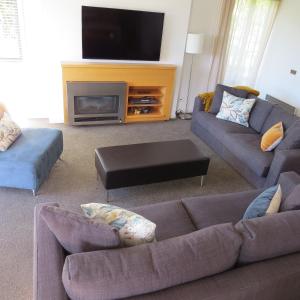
pixel 155 81
pixel 145 111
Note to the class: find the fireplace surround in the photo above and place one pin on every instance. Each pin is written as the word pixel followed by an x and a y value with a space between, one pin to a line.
pixel 96 102
pixel 143 81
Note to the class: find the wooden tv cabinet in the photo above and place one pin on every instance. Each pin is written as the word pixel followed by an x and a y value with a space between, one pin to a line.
pixel 143 80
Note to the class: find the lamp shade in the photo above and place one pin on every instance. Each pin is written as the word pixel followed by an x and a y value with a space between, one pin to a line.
pixel 194 43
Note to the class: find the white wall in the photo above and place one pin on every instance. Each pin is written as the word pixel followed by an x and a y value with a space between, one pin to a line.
pixel 204 19
pixel 282 55
pixel 53 35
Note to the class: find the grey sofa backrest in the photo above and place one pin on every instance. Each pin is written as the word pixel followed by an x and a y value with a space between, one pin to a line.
pixel 288 108
pixel 288 181
pixel 265 114
pixel 259 114
pixel 276 115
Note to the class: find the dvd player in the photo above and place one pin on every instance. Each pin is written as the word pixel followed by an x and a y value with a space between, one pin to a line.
pixel 144 100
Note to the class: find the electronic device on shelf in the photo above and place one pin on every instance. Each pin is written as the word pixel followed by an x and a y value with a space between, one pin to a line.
pixel 143 100
pixel 140 110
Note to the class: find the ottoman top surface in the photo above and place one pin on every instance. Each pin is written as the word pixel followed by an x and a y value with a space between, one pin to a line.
pixel 148 154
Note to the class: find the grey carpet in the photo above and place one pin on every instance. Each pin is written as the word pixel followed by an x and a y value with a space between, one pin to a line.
pixel 73 181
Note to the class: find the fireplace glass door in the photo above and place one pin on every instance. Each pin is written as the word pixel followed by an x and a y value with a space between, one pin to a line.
pixel 86 105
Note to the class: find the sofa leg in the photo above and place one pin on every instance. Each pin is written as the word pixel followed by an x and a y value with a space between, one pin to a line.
pixel 34 193
pixel 60 158
pixel 202 181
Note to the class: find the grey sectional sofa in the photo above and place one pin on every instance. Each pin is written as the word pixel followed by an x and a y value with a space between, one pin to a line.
pixel 240 146
pixel 267 255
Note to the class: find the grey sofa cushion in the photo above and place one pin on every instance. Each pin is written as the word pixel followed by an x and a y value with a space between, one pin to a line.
pixel 292 138
pixel 219 128
pixel 276 115
pixel 273 279
pixel 218 96
pixel 259 113
pixel 269 236
pixel 292 202
pixel 217 209
pixel 246 147
pixel 151 267
pixel 170 217
pixel 76 233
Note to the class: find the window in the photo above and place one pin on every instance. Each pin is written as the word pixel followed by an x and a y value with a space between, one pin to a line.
pixel 10 39
pixel 250 29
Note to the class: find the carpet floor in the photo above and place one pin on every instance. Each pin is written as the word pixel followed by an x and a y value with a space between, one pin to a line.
pixel 73 181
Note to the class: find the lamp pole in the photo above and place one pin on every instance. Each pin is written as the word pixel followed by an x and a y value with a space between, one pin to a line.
pixel 194 45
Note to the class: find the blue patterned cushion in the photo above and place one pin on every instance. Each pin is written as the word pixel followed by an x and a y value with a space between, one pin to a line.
pixel 260 204
pixel 235 109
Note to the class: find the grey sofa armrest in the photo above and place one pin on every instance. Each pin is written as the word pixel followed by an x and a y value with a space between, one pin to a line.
pixel 198 105
pixel 283 161
pixel 48 261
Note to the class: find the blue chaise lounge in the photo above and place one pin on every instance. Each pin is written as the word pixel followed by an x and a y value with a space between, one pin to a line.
pixel 28 162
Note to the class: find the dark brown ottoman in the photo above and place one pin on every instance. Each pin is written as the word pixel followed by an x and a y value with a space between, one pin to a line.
pixel 128 165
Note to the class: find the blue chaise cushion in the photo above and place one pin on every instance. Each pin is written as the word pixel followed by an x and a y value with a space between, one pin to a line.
pixel 28 162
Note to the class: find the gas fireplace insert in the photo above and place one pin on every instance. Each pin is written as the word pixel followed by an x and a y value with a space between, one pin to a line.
pixel 96 102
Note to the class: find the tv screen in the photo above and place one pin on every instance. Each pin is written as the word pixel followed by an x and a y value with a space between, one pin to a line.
pixel 121 34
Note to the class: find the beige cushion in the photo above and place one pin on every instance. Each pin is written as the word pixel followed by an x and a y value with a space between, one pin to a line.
pixel 9 132
pixel 275 202
pixel 2 110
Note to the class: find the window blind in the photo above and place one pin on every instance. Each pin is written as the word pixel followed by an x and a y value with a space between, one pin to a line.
pixel 10 38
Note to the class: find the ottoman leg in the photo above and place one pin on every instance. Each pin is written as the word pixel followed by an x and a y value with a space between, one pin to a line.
pixel 202 181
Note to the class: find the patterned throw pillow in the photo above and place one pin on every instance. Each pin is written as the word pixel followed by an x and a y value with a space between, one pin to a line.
pixel 235 109
pixel 133 228
pixel 259 206
pixel 272 137
pixel 9 132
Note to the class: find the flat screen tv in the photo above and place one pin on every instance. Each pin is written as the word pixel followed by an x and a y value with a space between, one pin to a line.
pixel 121 34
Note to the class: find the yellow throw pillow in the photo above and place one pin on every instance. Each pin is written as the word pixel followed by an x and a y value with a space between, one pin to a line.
pixel 275 202
pixel 272 137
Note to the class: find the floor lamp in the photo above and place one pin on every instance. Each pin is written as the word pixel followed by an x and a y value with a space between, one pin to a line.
pixel 194 45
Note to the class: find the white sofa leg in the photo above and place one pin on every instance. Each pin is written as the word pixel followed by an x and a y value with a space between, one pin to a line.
pixel 33 192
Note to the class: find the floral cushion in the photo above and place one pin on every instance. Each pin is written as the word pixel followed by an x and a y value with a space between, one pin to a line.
pixel 235 109
pixel 133 228
pixel 9 132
